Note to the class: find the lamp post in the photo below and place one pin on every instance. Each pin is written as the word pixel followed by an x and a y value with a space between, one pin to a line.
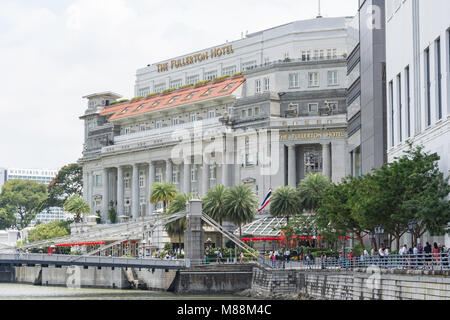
pixel 412 225
pixel 371 237
pixel 379 231
pixel 143 248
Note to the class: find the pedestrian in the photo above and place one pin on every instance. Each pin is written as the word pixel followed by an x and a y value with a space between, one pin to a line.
pixel 241 257
pixel 427 251
pixel 436 254
pixel 287 255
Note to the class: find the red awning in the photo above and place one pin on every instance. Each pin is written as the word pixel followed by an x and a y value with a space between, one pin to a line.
pixel 81 244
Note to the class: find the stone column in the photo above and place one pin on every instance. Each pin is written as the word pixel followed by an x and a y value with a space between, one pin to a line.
pixel 120 191
pixel 85 186
pixel 205 178
pixel 151 181
pixel 225 175
pixel 326 160
pixel 186 177
pixel 135 192
pixel 194 237
pixel 292 170
pixel 169 170
pixel 105 200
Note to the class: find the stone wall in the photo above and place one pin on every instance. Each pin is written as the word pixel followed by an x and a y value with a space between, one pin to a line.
pixel 6 274
pixel 352 285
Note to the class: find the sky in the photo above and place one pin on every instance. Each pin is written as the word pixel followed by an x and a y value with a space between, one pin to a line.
pixel 54 52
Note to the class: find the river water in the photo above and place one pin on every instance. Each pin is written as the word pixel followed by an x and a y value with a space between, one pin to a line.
pixel 13 291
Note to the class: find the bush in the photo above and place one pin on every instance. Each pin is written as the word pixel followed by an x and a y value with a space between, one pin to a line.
pixel 153 94
pixel 237 74
pixel 221 78
pixel 201 83
pixel 169 90
pixel 137 98
pixel 187 86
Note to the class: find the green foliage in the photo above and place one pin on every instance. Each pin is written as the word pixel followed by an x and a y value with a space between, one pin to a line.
pixel 76 205
pixel 237 74
pixel 137 98
pixel 153 94
pixel 168 90
pixel 285 203
pixel 221 78
pixel 311 190
pixel 54 229
pixel 68 181
pixel 24 198
pixel 163 192
pixel 201 83
pixel 214 205
pixel 240 205
pixel 112 213
pixel 187 86
pixel 177 227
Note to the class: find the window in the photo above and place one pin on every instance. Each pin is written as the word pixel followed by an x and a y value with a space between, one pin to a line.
pixel 175 121
pixel 332 78
pixel 194 173
pixel 156 103
pixel 329 52
pixel 208 92
pixel 249 65
pixel 173 99
pixel 141 179
pixel 142 205
pixel 427 86
pixel 125 110
pixel 228 87
pixel 211 114
pixel 306 55
pixel 313 79
pixel 316 54
pixel 408 102
pixel 212 172
pixel 192 79
pixel 258 86
pixel 140 107
pixel 175 174
pixel 190 95
pixel 142 127
pixel 127 206
pixel 391 100
pixel 159 124
pixel 193 117
pixel 266 84
pixel 143 92
pixel 229 71
pixel 127 130
pixel 256 111
pixel 160 87
pixel 313 107
pixel 399 106
pixel 439 78
pixel 334 53
pixel 176 83
pixel 98 180
pixel 322 54
pixel 126 181
pixel 250 112
pixel 158 175
pixel 210 75
pixel 294 80
pixel 243 113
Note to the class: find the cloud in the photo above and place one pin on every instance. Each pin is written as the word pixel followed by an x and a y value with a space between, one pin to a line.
pixel 55 52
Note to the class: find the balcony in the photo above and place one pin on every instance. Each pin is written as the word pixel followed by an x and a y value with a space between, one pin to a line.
pixel 338 120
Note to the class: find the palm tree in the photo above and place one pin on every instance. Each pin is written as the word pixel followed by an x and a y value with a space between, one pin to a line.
pixel 311 189
pixel 240 205
pixel 285 203
pixel 177 228
pixel 163 192
pixel 76 205
pixel 214 205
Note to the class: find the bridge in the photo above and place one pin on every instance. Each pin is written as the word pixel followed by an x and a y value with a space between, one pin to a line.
pixel 117 233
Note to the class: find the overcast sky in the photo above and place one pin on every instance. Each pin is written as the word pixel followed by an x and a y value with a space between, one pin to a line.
pixel 53 52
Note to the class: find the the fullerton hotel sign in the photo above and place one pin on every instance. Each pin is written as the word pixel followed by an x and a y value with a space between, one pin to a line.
pixel 306 135
pixel 196 58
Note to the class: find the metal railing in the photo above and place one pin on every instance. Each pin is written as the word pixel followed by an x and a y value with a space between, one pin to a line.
pixel 432 261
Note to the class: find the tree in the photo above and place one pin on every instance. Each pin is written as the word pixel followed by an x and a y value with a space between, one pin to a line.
pixel 68 182
pixel 285 203
pixel 76 205
pixel 177 227
pixel 163 192
pixel 241 205
pixel 54 229
pixel 21 200
pixel 311 189
pixel 112 213
pixel 214 205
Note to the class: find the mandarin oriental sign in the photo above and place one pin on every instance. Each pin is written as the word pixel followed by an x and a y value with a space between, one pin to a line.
pixel 196 58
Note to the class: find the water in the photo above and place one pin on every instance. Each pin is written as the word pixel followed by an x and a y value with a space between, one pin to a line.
pixel 13 291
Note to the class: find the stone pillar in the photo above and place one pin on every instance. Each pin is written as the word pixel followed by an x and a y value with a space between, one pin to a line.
pixel 151 181
pixel 326 160
pixel 135 192
pixel 225 180
pixel 292 170
pixel 169 170
pixel 194 237
pixel 205 178
pixel 187 177
pixel 120 191
pixel 105 200
pixel 85 186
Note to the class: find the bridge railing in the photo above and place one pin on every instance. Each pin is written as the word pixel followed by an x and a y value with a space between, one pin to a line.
pixel 92 260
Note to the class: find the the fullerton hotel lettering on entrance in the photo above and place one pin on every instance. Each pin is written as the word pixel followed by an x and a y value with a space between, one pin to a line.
pixel 196 58
pixel 312 135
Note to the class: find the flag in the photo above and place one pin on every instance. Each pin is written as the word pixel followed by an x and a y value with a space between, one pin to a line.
pixel 266 200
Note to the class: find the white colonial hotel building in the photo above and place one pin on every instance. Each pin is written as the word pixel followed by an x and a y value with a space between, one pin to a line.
pixel 279 114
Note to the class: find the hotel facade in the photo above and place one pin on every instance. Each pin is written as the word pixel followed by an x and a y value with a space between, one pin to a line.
pixel 264 111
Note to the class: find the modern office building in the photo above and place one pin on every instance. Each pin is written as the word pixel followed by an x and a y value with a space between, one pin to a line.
pixel 366 97
pixel 44 176
pixel 418 79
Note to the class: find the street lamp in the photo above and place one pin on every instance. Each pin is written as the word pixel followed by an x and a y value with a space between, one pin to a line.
pixel 143 248
pixel 371 237
pixel 412 225
pixel 379 231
